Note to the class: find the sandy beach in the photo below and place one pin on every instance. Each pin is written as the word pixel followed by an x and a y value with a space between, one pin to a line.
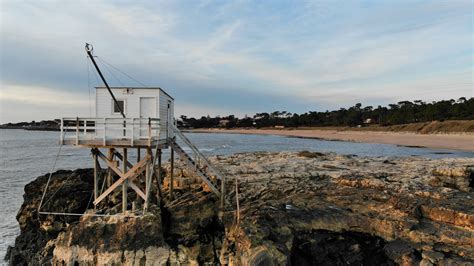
pixel 464 142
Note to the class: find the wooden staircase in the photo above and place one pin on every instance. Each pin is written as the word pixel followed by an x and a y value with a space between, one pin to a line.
pixel 199 164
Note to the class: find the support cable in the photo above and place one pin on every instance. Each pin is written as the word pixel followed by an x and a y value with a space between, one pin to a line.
pixel 49 180
pixel 50 174
pixel 101 174
pixel 96 77
pixel 52 196
pixel 92 215
pixel 122 72
pixel 111 72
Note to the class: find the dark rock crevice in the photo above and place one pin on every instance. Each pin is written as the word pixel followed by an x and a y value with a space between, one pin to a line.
pixel 471 177
pixel 322 247
pixel 194 226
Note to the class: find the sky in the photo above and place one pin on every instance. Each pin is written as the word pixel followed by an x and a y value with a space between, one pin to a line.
pixel 234 57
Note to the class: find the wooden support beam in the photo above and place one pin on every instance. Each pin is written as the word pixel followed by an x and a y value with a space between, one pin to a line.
pixel 158 175
pixel 148 179
pixel 159 169
pixel 129 165
pixel 111 164
pixel 96 175
pixel 222 193
pixel 133 172
pixel 171 172
pixel 120 157
pixel 137 189
pixel 125 183
pixel 110 157
pixel 139 153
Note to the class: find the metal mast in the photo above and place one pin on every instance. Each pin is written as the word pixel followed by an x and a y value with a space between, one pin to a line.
pixel 89 49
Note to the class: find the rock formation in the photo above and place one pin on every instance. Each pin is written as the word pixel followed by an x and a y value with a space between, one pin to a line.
pixel 295 208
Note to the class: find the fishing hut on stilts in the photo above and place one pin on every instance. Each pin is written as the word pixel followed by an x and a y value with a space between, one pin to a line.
pixel 140 118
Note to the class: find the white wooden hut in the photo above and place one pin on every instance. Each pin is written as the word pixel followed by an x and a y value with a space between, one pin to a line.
pixel 140 102
pixel 149 115
pixel 137 102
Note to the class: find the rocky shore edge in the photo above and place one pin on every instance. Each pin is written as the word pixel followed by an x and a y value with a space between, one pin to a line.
pixel 295 208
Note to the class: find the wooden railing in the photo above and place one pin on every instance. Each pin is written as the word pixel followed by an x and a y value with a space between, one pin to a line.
pixel 106 129
pixel 199 163
pixel 199 158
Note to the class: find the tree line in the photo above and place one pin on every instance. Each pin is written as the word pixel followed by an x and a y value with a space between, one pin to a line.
pixel 403 112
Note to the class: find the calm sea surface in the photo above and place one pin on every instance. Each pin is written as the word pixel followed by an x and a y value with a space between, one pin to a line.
pixel 25 155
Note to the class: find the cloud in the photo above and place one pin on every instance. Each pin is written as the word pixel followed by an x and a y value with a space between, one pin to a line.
pixel 217 56
pixel 26 103
pixel 427 88
pixel 42 96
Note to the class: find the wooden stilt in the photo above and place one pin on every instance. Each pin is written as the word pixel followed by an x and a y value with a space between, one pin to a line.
pixel 148 178
pixel 134 172
pixel 96 175
pixel 159 169
pixel 158 177
pixel 222 193
pixel 109 171
pixel 138 159
pixel 171 173
pixel 120 157
pixel 125 183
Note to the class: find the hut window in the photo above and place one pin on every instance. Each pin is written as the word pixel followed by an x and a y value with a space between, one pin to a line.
pixel 116 109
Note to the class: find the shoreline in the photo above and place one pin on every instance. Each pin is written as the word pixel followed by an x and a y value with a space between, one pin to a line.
pixel 462 142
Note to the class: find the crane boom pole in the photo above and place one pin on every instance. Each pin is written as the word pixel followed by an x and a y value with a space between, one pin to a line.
pixel 89 49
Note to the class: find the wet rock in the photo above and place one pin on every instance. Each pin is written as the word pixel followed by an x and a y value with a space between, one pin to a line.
pixel 459 177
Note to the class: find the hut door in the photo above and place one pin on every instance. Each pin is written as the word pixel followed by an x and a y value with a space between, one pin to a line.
pixel 147 110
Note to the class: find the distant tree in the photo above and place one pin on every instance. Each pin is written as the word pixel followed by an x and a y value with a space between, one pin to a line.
pixel 399 113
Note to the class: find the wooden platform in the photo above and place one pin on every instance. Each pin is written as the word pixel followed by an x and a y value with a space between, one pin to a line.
pixel 116 143
pixel 114 132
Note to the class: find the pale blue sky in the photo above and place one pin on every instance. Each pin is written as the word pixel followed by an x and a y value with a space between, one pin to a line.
pixel 236 57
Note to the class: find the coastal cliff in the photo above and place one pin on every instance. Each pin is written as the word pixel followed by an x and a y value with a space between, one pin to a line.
pixel 295 208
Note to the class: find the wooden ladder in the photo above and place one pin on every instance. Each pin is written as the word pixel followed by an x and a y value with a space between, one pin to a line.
pixel 200 164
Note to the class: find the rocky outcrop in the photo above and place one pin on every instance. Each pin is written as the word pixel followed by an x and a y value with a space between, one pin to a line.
pixel 294 208
pixel 286 197
pixel 72 191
